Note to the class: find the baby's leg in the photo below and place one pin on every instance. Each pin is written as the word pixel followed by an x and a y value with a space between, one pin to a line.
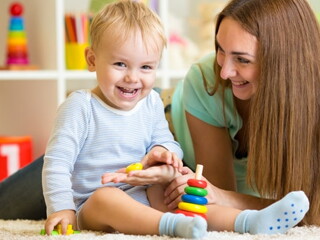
pixel 110 209
pixel 155 195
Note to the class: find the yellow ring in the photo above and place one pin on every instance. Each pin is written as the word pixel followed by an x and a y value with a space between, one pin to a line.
pixel 133 167
pixel 192 207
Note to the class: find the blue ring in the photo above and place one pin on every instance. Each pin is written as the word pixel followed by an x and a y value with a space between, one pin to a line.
pixel 194 199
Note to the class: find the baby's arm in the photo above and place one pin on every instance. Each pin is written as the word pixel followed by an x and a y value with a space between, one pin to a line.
pixel 158 155
pixel 159 176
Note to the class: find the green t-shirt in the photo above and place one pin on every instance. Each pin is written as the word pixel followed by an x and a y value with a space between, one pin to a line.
pixel 190 95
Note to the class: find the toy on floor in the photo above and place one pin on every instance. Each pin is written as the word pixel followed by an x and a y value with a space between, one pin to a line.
pixel 58 230
pixel 194 201
pixel 133 167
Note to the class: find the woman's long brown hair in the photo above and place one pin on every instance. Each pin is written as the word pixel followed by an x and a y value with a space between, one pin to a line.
pixel 284 123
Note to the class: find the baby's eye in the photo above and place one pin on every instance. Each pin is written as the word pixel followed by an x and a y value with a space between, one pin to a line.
pixel 146 67
pixel 120 64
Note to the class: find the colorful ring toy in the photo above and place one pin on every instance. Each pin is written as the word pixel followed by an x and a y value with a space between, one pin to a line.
pixel 196 191
pixel 197 183
pixel 191 214
pixel 192 207
pixel 194 199
pixel 133 167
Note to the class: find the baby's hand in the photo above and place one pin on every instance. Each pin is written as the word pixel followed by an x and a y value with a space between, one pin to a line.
pixel 63 217
pixel 162 174
pixel 114 177
pixel 159 155
pixel 121 174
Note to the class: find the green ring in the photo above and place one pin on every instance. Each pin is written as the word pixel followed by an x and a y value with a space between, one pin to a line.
pixel 196 191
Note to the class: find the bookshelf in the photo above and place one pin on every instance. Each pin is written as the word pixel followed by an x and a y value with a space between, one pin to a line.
pixel 29 99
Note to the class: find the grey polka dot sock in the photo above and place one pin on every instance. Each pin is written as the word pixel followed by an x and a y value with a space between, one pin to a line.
pixel 277 218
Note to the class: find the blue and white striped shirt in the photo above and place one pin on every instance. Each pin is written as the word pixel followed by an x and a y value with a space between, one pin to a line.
pixel 90 138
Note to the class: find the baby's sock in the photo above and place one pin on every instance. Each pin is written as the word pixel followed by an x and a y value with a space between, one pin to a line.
pixel 179 225
pixel 277 218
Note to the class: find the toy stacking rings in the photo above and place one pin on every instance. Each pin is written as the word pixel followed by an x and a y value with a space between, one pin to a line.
pixel 196 191
pixel 197 183
pixel 191 214
pixel 194 201
pixel 196 208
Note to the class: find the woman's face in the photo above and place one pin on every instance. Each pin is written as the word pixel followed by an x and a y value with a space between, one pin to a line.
pixel 237 57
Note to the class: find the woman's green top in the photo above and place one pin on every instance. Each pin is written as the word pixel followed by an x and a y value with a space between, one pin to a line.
pixel 191 96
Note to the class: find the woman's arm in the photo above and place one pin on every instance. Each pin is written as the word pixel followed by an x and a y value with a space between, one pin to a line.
pixel 213 149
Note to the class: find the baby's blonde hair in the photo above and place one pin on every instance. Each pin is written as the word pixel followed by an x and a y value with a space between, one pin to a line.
pixel 125 17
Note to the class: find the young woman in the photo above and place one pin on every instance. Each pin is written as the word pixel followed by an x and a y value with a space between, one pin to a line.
pixel 252 109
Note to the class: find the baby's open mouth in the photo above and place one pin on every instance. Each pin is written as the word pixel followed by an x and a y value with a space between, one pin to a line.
pixel 128 91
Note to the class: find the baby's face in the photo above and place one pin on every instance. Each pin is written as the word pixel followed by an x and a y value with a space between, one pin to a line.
pixel 126 71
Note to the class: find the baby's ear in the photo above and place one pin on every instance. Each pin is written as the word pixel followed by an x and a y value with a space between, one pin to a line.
pixel 91 59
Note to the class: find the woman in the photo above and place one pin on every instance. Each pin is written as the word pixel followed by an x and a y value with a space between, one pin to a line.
pixel 255 104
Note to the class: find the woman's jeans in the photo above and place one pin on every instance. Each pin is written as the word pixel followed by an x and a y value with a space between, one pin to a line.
pixel 21 194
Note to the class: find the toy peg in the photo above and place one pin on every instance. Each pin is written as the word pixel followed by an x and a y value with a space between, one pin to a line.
pixel 199 171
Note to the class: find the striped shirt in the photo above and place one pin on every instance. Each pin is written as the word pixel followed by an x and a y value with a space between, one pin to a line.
pixel 90 138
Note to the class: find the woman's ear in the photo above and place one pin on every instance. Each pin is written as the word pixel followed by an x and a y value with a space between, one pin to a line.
pixel 90 59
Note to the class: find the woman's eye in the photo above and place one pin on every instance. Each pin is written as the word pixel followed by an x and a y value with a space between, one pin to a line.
pixel 220 49
pixel 243 60
pixel 120 64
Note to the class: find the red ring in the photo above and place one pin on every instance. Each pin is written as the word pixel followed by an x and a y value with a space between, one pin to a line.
pixel 191 214
pixel 197 183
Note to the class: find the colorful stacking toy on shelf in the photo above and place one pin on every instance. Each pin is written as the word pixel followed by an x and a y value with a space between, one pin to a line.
pixel 17 53
pixel 194 201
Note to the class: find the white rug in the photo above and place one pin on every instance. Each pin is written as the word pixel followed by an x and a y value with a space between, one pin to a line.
pixel 26 229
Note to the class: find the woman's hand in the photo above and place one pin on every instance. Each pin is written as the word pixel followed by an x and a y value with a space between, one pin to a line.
pixel 176 188
pixel 63 217
pixel 162 174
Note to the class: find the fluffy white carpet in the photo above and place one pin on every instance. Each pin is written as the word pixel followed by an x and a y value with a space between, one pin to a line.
pixel 25 229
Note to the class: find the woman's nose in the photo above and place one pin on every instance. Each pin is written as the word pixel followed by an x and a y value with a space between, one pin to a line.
pixel 228 69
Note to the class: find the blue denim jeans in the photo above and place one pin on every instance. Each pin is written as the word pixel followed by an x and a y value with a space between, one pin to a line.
pixel 21 194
